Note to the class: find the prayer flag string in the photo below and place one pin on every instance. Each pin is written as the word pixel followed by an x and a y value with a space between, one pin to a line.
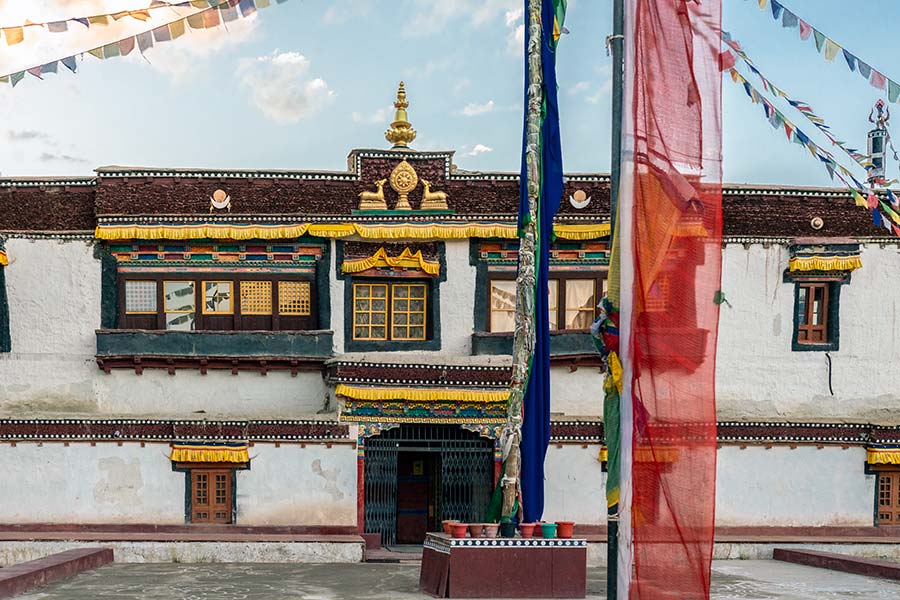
pixel 217 12
pixel 831 49
pixel 883 215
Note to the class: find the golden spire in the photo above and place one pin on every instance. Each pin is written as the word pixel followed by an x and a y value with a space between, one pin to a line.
pixel 401 133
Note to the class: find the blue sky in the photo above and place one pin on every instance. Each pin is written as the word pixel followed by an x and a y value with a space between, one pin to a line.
pixel 300 84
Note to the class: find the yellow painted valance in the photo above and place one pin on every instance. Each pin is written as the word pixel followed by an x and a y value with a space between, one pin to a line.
pixel 4 260
pixel 407 259
pixel 883 456
pixel 390 231
pixel 420 394
pixel 825 263
pixel 210 453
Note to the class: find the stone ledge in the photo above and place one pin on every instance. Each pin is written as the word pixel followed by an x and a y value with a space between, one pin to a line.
pixel 870 567
pixel 22 577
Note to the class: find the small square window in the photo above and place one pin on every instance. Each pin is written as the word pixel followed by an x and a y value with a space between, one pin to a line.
pixel 370 311
pixel 294 298
pixel 408 310
pixel 815 319
pixel 179 302
pixel 256 297
pixel 140 297
pixel 217 298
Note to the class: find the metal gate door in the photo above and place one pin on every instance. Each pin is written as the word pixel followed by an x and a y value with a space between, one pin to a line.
pixel 466 471
pixel 381 489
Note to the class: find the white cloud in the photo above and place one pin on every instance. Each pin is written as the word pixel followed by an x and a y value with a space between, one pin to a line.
pixel 381 115
pixel 461 85
pixel 515 38
pixel 472 109
pixel 341 12
pixel 479 149
pixel 581 86
pixel 431 17
pixel 280 86
pixel 601 92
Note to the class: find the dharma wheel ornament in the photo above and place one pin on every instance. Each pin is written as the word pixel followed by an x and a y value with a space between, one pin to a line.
pixel 404 180
pixel 401 133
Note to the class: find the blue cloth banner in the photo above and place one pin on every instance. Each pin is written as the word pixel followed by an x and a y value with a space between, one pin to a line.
pixel 776 9
pixel 864 69
pixel 69 63
pixel 536 403
pixel 789 19
pixel 876 218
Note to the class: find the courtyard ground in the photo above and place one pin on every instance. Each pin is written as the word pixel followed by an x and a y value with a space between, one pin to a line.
pixel 732 580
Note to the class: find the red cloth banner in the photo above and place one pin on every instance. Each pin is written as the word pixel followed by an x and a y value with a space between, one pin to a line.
pixel 674 162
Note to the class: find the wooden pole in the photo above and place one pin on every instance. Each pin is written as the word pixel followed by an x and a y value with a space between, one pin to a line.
pixel 524 335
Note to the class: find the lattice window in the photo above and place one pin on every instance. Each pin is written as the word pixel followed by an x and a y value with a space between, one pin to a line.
pixel 179 300
pixel 294 298
pixel 888 497
pixel 370 311
pixel 256 297
pixel 408 311
pixel 140 297
pixel 217 298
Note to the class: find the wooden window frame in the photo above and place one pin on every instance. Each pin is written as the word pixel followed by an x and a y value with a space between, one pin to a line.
pixel 389 315
pixel 164 311
pixel 808 328
pixel 892 509
pixel 830 325
pixel 125 297
pixel 370 312
pixel 203 283
pixel 408 312
pixel 198 278
pixel 190 508
pixel 561 277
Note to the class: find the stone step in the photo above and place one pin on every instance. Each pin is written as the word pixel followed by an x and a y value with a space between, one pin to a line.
pixel 22 577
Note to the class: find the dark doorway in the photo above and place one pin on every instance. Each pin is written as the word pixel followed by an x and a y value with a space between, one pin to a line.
pixel 418 475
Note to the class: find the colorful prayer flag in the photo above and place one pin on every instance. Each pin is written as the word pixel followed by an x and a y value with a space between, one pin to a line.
pixel 16 77
pixel 58 26
pixel 831 49
pixel 776 9
pixel 69 63
pixel 161 34
pixel 13 35
pixel 893 90
pixel 819 38
pixel 864 69
pixel 878 80
pixel 111 50
pixel 98 20
pixel 851 60
pixel 805 30
pixel 176 29
pixel 247 7
pixel 36 71
pixel 144 40
pixel 789 20
pixel 126 46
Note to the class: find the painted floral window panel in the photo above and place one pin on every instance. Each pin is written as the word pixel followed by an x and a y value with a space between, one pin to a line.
pixel 217 297
pixel 580 294
pixel 140 297
pixel 180 306
pixel 503 305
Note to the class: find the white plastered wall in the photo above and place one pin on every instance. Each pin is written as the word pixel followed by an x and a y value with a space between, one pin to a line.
pixel 804 486
pixel 759 377
pixel 574 484
pixel 53 289
pixel 294 485
pixel 108 483
pixel 576 393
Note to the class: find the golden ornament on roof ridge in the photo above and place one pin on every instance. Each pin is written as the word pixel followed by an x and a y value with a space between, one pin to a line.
pixel 401 133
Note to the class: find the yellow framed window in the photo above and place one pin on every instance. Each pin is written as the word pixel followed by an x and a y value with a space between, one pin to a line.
pixel 370 311
pixel 179 300
pixel 256 297
pixel 580 303
pixel 294 298
pixel 217 298
pixel 408 311
pixel 503 305
pixel 140 297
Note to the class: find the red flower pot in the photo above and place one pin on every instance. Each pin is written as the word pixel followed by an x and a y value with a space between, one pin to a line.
pixel 447 525
pixel 476 529
pixel 458 530
pixel 526 530
pixel 491 529
pixel 565 529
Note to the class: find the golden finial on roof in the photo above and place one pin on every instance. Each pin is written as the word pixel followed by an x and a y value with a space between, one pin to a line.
pixel 401 133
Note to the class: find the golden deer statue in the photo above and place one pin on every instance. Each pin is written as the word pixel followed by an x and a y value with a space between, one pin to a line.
pixel 432 200
pixel 373 200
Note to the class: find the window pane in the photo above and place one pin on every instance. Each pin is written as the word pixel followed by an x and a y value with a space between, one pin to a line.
pixel 553 303
pixel 407 302
pixel 180 321
pixel 579 303
pixel 140 297
pixel 256 297
pixel 294 298
pixel 818 305
pixel 369 315
pixel 801 304
pixel 217 297
pixel 179 296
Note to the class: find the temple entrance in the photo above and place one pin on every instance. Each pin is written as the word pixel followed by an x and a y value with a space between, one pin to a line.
pixel 417 475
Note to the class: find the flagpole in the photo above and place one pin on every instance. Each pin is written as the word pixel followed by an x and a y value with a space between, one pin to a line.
pixel 524 335
pixel 615 43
